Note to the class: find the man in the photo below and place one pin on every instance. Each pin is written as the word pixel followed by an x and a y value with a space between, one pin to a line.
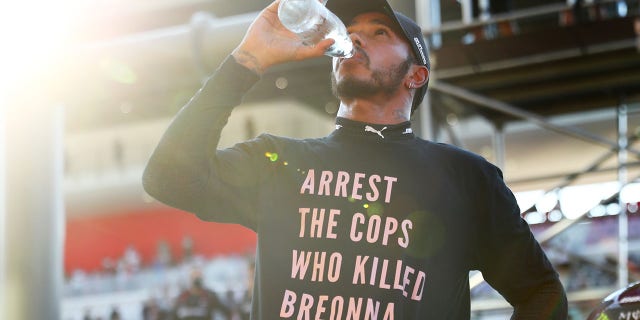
pixel 370 222
pixel 197 302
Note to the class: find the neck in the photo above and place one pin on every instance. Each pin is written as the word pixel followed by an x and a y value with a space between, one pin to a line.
pixel 366 111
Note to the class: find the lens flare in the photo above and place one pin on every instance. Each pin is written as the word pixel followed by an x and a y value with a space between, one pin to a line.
pixel 272 156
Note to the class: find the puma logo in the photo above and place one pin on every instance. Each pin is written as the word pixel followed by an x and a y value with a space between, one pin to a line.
pixel 372 129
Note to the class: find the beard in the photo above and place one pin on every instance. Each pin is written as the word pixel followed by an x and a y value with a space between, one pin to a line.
pixel 381 81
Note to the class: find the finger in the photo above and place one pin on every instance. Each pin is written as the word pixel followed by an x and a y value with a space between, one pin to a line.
pixel 274 5
pixel 271 12
pixel 324 44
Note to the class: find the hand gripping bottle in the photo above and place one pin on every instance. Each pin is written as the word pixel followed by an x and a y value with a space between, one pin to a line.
pixel 313 22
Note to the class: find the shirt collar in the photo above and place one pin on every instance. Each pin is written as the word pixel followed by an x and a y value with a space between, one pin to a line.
pixel 382 132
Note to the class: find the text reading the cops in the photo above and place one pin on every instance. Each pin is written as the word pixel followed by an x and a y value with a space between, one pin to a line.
pixel 382 273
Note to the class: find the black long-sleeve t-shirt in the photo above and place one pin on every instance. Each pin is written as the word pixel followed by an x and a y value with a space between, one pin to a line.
pixel 369 222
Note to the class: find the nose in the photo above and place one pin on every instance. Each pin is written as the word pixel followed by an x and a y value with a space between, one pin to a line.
pixel 356 39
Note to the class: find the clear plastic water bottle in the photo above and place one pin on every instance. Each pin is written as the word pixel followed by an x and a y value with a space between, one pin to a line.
pixel 313 22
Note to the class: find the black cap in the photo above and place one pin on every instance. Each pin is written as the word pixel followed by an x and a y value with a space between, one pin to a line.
pixel 346 10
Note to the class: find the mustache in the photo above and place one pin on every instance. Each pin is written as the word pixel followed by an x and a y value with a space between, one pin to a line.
pixel 364 55
pixel 358 51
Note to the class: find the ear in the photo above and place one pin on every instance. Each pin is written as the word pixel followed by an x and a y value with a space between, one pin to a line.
pixel 418 76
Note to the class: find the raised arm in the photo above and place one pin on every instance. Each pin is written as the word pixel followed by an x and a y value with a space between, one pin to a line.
pixel 268 43
pixel 181 172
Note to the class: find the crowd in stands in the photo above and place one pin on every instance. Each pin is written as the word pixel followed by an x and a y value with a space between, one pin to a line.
pixel 172 287
pixel 192 287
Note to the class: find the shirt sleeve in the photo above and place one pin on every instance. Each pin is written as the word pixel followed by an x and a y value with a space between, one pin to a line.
pixel 186 170
pixel 510 258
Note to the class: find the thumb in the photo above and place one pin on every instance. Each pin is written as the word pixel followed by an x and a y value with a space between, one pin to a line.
pixel 324 44
pixel 316 50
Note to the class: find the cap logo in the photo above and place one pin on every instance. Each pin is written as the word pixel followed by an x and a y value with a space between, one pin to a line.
pixel 419 46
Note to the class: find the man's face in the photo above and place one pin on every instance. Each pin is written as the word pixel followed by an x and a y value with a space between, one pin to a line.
pixel 381 60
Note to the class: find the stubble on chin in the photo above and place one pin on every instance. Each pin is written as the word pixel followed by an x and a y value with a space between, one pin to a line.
pixel 350 88
pixel 380 81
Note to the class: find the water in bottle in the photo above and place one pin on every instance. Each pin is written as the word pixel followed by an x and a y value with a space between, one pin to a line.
pixel 313 22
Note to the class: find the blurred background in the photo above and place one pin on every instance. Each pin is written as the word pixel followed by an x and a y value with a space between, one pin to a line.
pixel 547 90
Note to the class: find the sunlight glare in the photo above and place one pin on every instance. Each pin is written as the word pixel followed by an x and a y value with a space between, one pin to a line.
pixel 36 33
